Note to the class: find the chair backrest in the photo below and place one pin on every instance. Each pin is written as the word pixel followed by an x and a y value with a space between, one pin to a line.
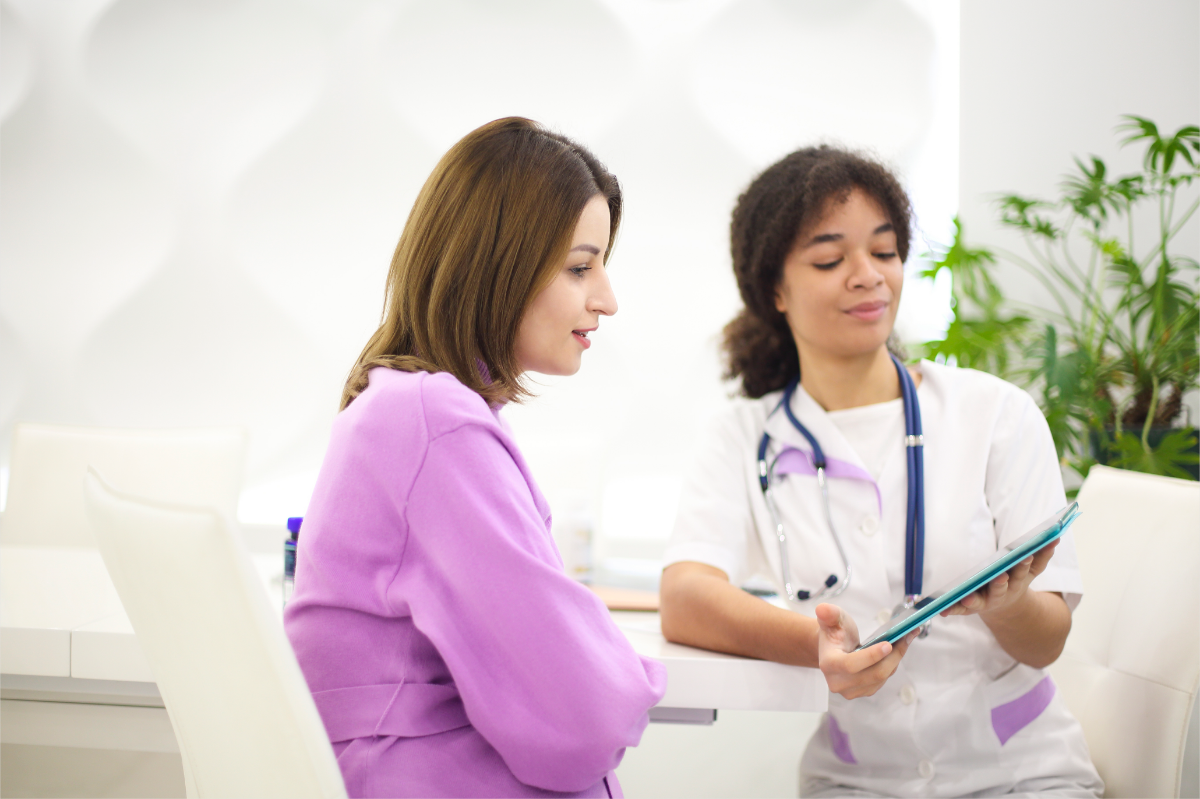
pixel 201 467
pixel 242 712
pixel 1130 668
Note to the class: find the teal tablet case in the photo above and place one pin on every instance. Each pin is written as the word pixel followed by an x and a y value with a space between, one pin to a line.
pixel 931 605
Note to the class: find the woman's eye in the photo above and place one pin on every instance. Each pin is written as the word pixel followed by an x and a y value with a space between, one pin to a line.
pixel 885 256
pixel 578 271
pixel 829 265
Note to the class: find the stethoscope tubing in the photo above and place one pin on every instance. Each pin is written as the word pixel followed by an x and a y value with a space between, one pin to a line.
pixel 914 538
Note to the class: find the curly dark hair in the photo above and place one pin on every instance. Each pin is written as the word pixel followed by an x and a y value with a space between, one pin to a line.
pixel 779 204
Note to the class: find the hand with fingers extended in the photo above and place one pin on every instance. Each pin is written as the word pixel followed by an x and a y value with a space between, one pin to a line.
pixel 1006 591
pixel 849 673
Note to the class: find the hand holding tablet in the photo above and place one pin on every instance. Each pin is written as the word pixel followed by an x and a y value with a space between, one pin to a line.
pixel 978 578
pixel 848 670
pixel 1006 589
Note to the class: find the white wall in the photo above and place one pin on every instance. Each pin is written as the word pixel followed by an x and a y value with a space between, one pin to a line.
pixel 200 201
pixel 1045 81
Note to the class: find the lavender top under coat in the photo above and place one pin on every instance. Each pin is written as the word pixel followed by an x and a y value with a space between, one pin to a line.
pixel 448 652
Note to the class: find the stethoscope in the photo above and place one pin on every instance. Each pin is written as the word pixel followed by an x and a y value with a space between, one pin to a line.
pixel 914 528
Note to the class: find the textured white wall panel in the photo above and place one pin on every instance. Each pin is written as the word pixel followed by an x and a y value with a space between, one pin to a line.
pixel 452 63
pixel 200 199
pixel 775 76
pixel 14 61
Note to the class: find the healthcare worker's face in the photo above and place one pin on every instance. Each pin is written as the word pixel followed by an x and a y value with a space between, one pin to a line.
pixel 554 331
pixel 841 281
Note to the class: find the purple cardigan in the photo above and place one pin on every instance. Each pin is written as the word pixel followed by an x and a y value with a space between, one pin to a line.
pixel 448 652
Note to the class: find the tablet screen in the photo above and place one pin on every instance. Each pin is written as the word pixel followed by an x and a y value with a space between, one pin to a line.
pixel 975 578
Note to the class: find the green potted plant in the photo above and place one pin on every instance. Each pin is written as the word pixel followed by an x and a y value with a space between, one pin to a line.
pixel 1112 357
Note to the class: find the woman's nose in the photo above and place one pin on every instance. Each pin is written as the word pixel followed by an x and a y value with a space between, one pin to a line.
pixel 866 273
pixel 603 300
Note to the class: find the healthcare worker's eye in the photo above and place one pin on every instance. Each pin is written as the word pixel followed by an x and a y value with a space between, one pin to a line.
pixel 578 271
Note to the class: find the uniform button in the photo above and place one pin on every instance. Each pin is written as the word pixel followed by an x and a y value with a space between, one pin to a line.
pixel 884 616
pixel 908 694
pixel 925 769
pixel 869 525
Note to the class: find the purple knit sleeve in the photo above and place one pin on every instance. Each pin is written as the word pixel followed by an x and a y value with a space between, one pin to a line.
pixel 544 674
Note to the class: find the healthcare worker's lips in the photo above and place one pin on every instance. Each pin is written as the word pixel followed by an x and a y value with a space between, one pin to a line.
pixel 868 311
pixel 581 336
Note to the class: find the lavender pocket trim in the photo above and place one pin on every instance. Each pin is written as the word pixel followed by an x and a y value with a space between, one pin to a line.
pixel 840 742
pixel 1012 717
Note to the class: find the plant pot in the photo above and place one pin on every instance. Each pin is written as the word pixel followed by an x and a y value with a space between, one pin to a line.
pixel 1104 454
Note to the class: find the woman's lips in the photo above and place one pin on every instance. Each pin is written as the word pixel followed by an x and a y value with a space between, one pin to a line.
pixel 869 311
pixel 581 337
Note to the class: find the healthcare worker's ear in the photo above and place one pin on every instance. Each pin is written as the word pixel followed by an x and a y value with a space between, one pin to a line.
pixel 781 291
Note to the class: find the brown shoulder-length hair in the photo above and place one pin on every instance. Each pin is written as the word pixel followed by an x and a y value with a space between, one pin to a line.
pixel 780 204
pixel 487 233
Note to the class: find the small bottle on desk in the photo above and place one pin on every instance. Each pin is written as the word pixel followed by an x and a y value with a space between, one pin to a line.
pixel 289 557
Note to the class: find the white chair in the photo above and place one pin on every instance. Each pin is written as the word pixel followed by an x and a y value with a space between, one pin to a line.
pixel 201 467
pixel 1131 665
pixel 241 710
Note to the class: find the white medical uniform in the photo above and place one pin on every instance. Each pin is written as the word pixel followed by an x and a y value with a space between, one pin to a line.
pixel 959 716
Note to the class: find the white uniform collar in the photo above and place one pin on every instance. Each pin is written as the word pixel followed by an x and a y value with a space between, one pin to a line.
pixel 812 416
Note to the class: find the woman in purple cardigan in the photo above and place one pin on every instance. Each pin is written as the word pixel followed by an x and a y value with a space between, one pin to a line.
pixel 448 653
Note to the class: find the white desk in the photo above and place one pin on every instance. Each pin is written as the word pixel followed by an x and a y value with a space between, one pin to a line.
pixel 703 680
pixel 72 671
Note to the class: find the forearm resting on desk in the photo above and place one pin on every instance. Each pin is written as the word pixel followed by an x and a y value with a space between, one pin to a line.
pixel 701 608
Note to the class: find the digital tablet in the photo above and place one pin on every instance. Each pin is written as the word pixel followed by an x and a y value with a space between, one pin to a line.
pixel 908 620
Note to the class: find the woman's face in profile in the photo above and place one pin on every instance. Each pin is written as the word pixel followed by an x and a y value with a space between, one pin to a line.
pixel 554 331
pixel 841 282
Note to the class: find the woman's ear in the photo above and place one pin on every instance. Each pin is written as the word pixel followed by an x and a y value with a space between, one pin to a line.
pixel 780 305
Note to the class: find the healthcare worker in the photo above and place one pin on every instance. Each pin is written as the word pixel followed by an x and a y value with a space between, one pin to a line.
pixel 447 651
pixel 813 483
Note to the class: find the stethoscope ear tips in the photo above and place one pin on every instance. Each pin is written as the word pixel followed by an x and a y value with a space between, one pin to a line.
pixel 802 595
pixel 829 582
